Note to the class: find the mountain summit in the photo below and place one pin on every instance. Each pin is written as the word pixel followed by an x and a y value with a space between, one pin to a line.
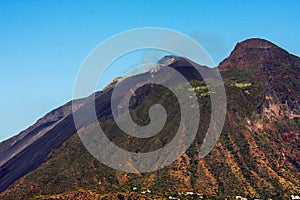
pixel 257 155
pixel 254 53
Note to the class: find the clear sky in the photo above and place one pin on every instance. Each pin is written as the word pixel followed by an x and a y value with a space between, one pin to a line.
pixel 43 43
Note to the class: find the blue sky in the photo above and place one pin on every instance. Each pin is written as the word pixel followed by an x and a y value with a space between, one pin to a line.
pixel 43 43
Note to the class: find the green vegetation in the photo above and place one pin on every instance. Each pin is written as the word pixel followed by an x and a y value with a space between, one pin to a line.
pixel 241 85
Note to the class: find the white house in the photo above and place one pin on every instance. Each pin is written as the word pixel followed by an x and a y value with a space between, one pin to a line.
pixel 295 197
pixel 240 198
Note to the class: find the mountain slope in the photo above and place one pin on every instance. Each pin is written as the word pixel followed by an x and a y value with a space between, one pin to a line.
pixel 11 160
pixel 257 155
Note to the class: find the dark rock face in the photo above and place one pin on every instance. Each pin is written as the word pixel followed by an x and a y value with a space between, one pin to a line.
pixel 258 154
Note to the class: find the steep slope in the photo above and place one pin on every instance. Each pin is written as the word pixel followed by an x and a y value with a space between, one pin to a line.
pixel 26 151
pixel 12 164
pixel 16 144
pixel 257 155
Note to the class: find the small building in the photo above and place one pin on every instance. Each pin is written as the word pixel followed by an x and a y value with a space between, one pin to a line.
pixel 240 198
pixel 295 197
pixel 189 193
pixel 174 198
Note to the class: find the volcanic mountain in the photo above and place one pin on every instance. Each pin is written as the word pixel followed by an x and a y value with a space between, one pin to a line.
pixel 256 156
